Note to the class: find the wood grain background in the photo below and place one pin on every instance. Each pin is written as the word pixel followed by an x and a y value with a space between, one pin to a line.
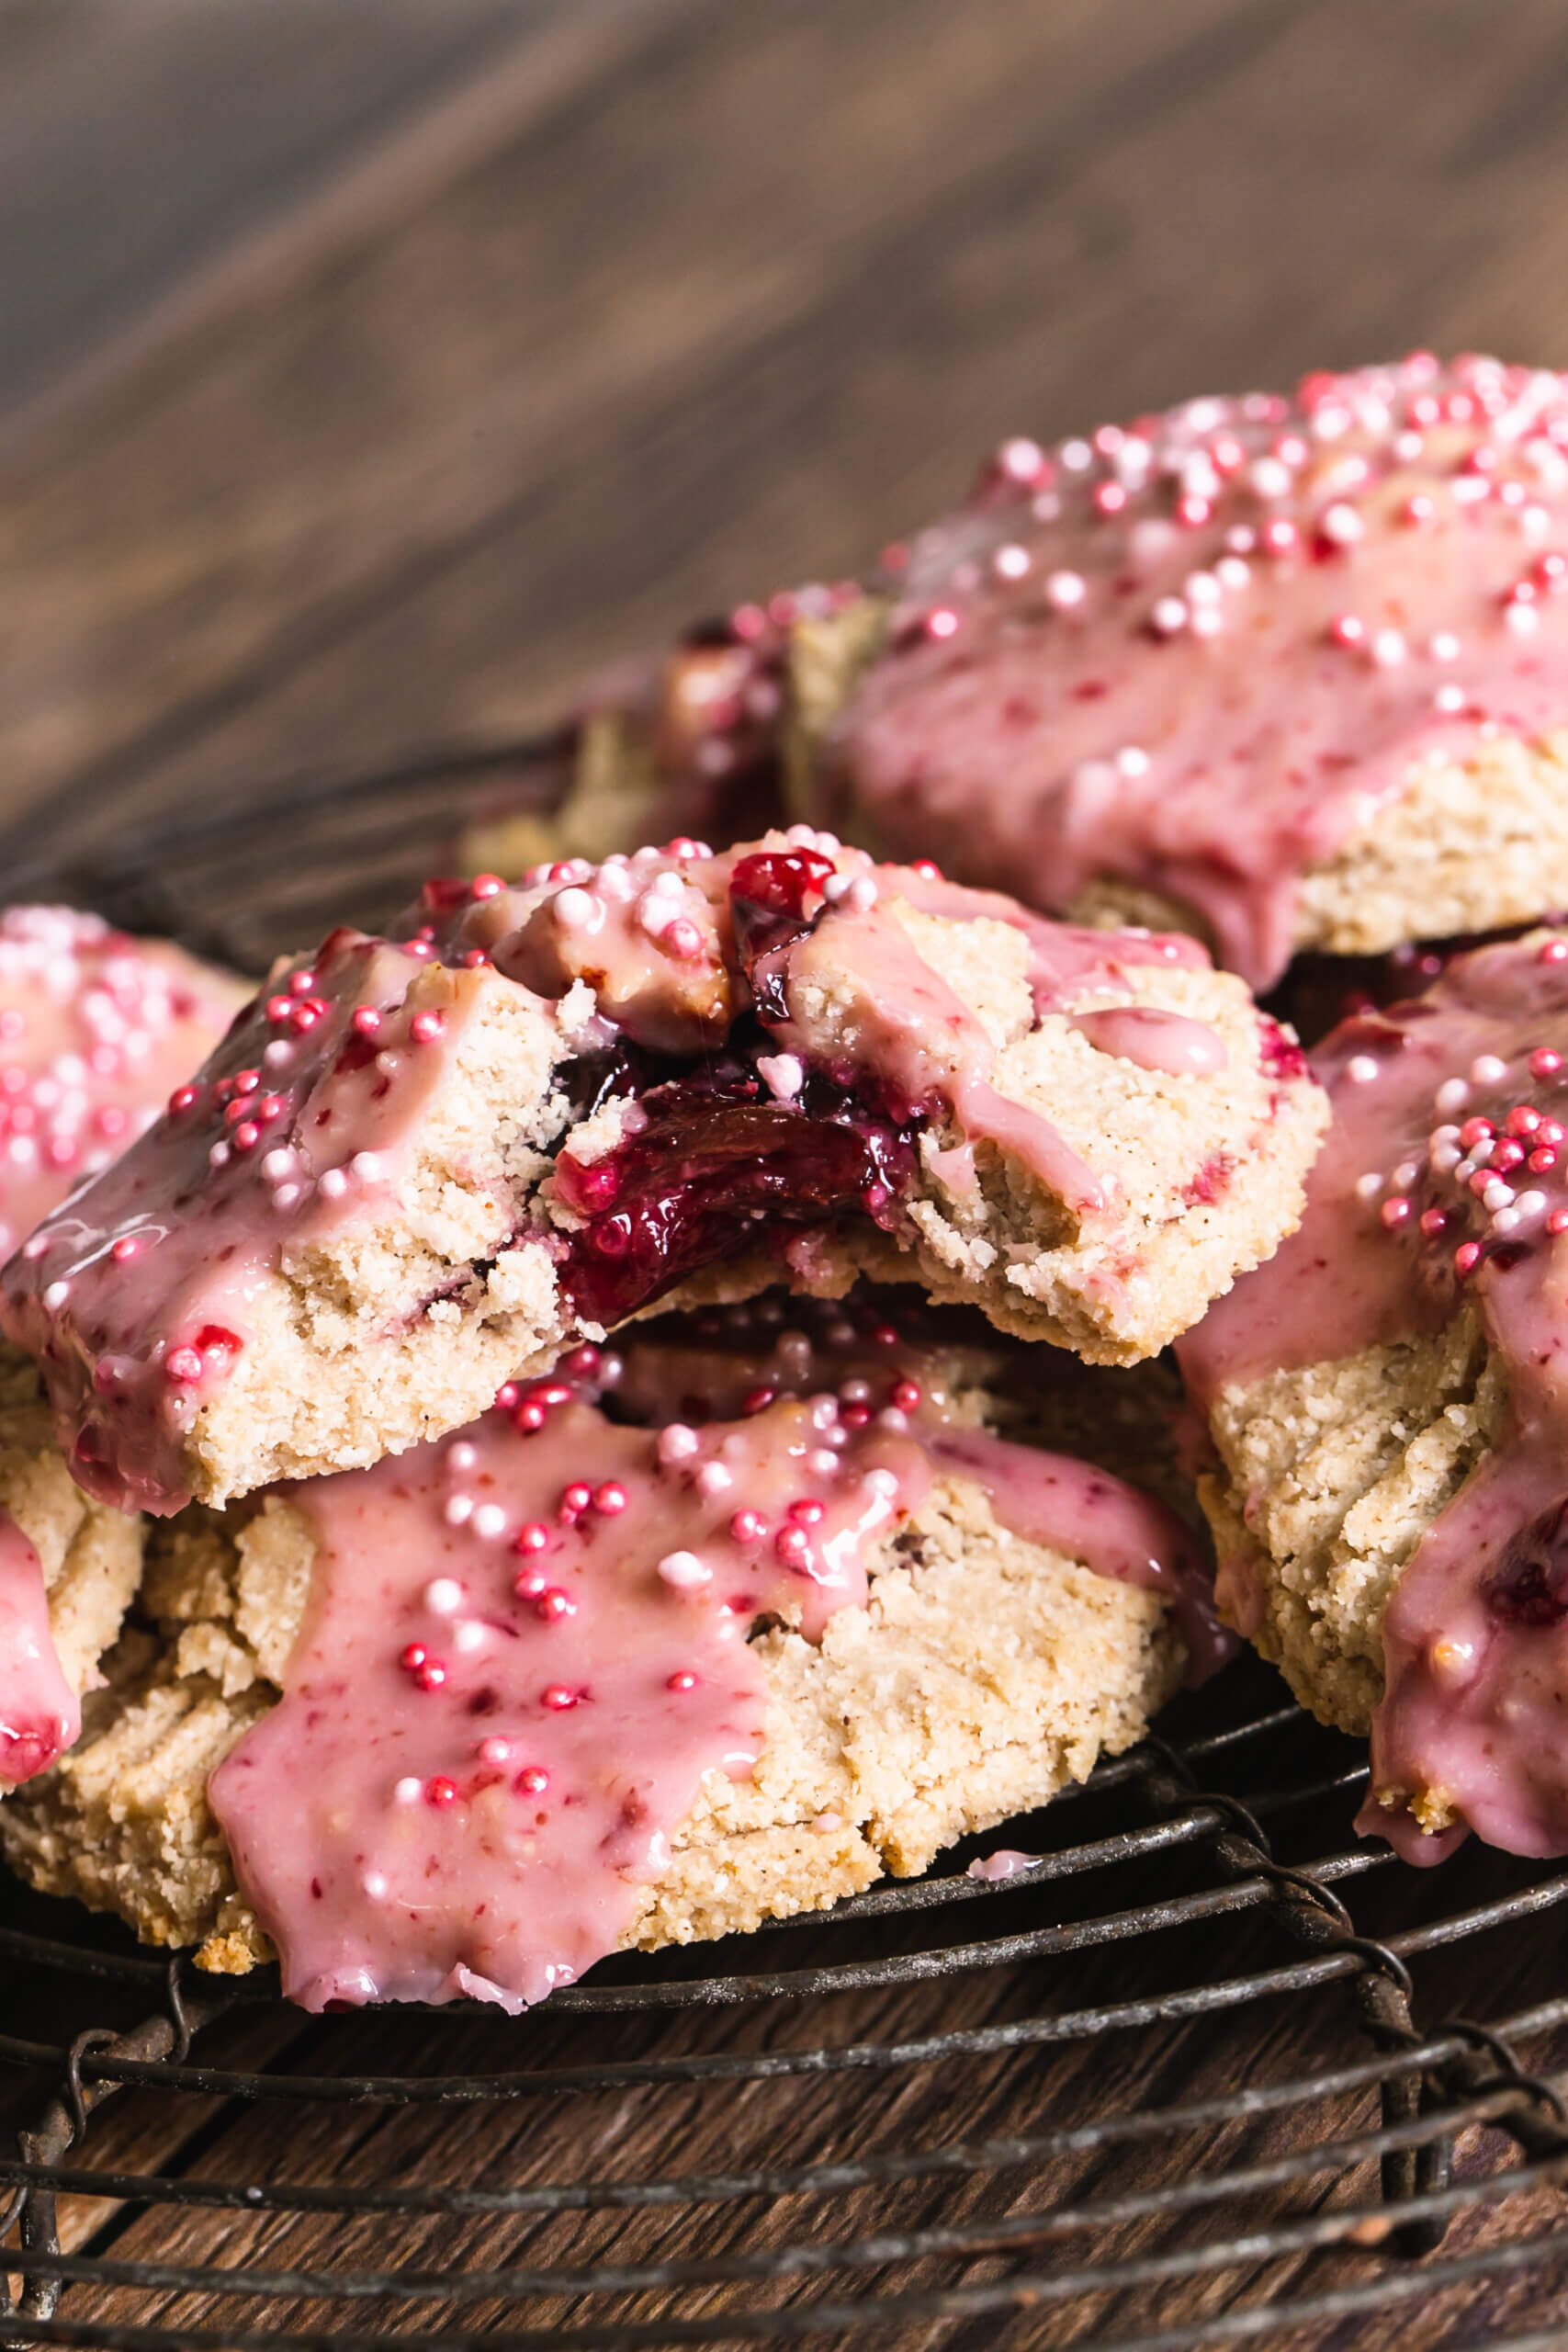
pixel 371 369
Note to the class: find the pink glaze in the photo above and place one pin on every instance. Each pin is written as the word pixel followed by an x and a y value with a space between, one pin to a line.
pixel 1412 1209
pixel 524 1647
pixel 137 1296
pixel 1198 652
pixel 1156 1040
pixel 95 1028
pixel 1001 1864
pixel 40 1715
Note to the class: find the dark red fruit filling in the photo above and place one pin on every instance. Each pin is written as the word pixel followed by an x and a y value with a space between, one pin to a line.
pixel 1530 1588
pixel 721 1168
pixel 769 894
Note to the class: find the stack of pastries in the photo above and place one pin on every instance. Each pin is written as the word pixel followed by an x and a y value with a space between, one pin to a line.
pixel 645 1397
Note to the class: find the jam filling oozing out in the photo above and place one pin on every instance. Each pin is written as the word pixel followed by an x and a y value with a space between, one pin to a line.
pixel 525 1646
pixel 1194 652
pixel 1443 1190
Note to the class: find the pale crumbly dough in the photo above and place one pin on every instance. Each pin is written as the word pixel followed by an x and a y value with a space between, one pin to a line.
pixel 983 1674
pixel 1471 846
pixel 1330 1478
pixel 91 1555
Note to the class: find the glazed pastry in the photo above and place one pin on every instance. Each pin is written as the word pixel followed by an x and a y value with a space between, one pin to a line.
pixel 1388 1403
pixel 567 1683
pixel 1294 672
pixel 95 1028
pixel 415 1168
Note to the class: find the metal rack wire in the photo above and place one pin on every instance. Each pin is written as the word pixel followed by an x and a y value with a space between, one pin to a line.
pixel 1205 2042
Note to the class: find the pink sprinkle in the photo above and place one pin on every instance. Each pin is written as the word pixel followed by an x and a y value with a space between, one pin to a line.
pixel 487 886
pixel 533 1780
pixel 808 1511
pixel 1524 1118
pixel 1476 1131
pixel 426 1027
pixel 610 1497
pixel 365 1020
pixel 576 1497
pixel 757 1400
pixel 683 939
pixel 554 1603
pixel 126 1247
pixel 431 1675
pixel 747 1527
pixel 506 1396
pixel 183 1364
pixel 1467 1255
pixel 907 1395
pixel 1541 1162
pixel 1558 1221
pixel 792 1545
pixel 533 1537
pixel 558 1698
pixel 301 983
pixel 1544 1062
pixel 182 1098
pixel 413 1657
pixel 682 1679
pixel 1433 1222
pixel 942 622
pixel 1552 951
pixel 1394 1213
pixel 440 1790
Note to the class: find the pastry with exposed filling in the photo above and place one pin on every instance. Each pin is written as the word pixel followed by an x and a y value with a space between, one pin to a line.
pixel 1292 672
pixel 418 1166
pixel 94 1028
pixel 598 1673
pixel 1390 1412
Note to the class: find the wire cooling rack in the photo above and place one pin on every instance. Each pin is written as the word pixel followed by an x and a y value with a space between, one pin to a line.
pixel 1205 2054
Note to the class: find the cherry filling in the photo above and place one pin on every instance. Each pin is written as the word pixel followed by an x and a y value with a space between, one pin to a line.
pixel 719 1167
pixel 768 902
pixel 1530 1588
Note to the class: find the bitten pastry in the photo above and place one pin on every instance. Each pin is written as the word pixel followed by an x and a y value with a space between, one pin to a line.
pixel 94 1030
pixel 416 1167
pixel 465 1723
pixel 1292 672
pixel 1389 1405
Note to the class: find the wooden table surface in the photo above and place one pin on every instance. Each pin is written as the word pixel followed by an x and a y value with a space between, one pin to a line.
pixel 375 370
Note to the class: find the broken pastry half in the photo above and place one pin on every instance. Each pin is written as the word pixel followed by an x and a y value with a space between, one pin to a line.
pixel 1292 672
pixel 1389 1406
pixel 669 1642
pixel 418 1166
pixel 95 1028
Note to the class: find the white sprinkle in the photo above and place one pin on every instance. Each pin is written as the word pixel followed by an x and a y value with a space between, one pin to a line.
pixel 1011 562
pixel 892 1419
pixel 285 1196
pixel 862 894
pixel 1530 1204
pixel 1487 1069
pixel 676 1443
pixel 1505 1220
pixel 1065 589
pixel 1077 457
pixel 55 1296
pixel 459 1510
pixel 217 1158
pixel 495 1750
pixel 1233 571
pixel 1407 447
pixel 375 1885
pixel 1388 648
pixel 1443 645
pixel 1445 1157
pixel 823 1412
pixel 1404 1175
pixel 1361 1068
pixel 367 1165
pixel 1369 1186
pixel 489 1521
pixel 389 1063
pixel 471 1635
pixel 1207 621
pixel 1201 588
pixel 1270 478
pixel 36 1245
pixel 1169 617
pixel 408 1791
pixel 684 1571
pixel 276 1165
pixel 1523 620
pixel 1448 700
pixel 836 887
pixel 1495 1195
pixel 881 1482
pixel 1452 1095
pixel 1342 525
pixel 577 910
pixel 444 1595
pixel 822 1461
pixel 461 1455
pixel 713 1478
pixel 1020 457
pixel 333 1184
pixel 1133 760
pixel 783 1075
pixel 278 1055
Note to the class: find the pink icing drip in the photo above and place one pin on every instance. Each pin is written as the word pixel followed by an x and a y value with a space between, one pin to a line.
pixel 1411 1210
pixel 39 1714
pixel 1003 1863
pixel 1155 1040
pixel 505 1694
pixel 1198 653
